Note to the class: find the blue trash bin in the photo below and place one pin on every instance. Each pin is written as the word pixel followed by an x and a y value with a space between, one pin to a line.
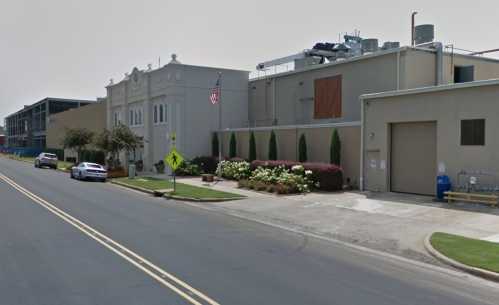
pixel 443 185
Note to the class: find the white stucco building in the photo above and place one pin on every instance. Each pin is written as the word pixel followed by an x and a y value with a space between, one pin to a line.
pixel 175 98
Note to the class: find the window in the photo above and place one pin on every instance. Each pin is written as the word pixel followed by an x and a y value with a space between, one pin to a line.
pixel 464 74
pixel 327 99
pixel 136 118
pixel 161 113
pixel 473 132
pixel 117 118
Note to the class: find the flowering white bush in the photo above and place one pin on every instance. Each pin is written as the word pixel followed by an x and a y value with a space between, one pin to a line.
pixel 294 180
pixel 235 169
pixel 298 169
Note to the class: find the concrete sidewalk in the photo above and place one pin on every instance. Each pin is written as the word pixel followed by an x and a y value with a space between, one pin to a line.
pixel 394 223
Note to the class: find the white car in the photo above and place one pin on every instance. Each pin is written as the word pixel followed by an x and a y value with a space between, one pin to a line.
pixel 86 170
pixel 46 159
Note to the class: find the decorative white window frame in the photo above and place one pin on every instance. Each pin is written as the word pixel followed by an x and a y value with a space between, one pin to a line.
pixel 136 116
pixel 162 113
pixel 116 117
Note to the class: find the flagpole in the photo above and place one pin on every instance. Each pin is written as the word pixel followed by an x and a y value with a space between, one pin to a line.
pixel 220 142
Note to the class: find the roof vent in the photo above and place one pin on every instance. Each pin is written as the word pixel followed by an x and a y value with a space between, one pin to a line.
pixel 388 45
pixel 369 45
pixel 424 33
pixel 174 59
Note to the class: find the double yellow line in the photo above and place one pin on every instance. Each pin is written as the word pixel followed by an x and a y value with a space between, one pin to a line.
pixel 166 279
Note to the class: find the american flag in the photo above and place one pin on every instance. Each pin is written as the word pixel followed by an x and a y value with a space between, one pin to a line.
pixel 215 93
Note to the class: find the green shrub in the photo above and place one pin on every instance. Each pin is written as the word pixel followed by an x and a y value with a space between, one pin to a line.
pixel 235 170
pixel 302 149
pixel 93 156
pixel 232 146
pixel 335 148
pixel 214 145
pixel 188 169
pixel 260 186
pixel 272 146
pixel 324 176
pixel 296 180
pixel 282 189
pixel 207 164
pixel 252 147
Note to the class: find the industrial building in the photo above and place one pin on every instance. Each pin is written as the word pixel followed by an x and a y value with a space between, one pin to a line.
pixel 323 90
pixel 27 128
pixel 91 117
pixel 411 136
pixel 175 99
pixel 2 136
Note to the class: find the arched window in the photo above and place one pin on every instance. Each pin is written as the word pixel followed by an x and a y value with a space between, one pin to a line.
pixel 161 113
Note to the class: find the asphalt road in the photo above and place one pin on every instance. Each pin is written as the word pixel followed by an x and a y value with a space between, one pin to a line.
pixel 48 257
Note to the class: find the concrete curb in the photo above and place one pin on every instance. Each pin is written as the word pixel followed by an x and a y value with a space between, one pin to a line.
pixel 137 188
pixel 489 275
pixel 174 197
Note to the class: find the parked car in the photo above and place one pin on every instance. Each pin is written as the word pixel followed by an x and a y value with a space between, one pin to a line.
pixel 86 170
pixel 46 159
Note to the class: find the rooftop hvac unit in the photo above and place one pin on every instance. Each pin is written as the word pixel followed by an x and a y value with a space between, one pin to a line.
pixel 424 33
pixel 369 45
pixel 388 45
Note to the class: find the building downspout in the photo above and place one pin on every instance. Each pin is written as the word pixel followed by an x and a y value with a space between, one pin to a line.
pixel 274 102
pixel 362 117
pixel 398 69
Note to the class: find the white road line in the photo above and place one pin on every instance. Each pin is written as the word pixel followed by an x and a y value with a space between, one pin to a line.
pixel 132 257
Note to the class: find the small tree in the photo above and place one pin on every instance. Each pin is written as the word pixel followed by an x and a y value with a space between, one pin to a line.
pixel 103 142
pixel 302 149
pixel 252 147
pixel 77 139
pixel 233 146
pixel 122 138
pixel 214 145
pixel 272 146
pixel 335 148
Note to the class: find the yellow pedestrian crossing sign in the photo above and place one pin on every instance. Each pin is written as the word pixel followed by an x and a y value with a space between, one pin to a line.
pixel 174 159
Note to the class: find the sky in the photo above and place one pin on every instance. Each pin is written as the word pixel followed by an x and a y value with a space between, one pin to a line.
pixel 72 48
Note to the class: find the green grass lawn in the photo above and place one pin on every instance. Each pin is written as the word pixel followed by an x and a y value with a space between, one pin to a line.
pixel 183 190
pixel 471 252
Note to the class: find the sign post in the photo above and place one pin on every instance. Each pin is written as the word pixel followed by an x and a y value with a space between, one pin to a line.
pixel 174 159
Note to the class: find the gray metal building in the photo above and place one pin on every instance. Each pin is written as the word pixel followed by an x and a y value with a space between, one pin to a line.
pixel 27 127
pixel 411 136
pixel 313 99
